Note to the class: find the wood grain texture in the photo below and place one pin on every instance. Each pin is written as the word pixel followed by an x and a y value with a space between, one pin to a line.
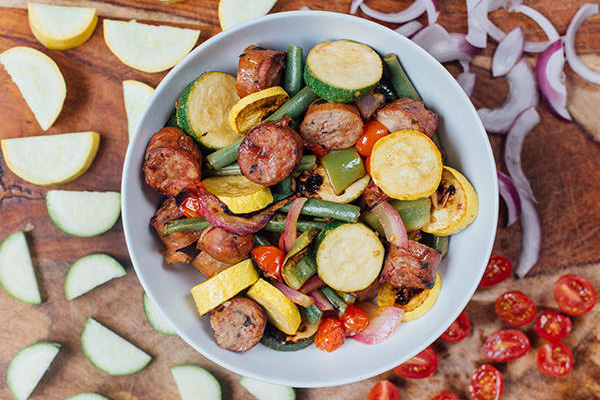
pixel 562 160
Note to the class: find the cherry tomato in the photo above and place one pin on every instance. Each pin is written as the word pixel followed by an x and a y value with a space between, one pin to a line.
pixel 420 366
pixel 190 207
pixel 553 326
pixel 555 359
pixel 446 396
pixel 374 130
pixel 269 260
pixel 486 383
pixel 384 390
pixel 515 308
pixel 355 320
pixel 498 269
pixel 330 335
pixel 506 345
pixel 574 295
pixel 459 329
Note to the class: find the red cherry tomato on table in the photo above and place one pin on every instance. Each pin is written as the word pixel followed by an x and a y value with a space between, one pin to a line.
pixel 446 396
pixel 574 295
pixel 269 260
pixel 555 359
pixel 330 335
pixel 486 383
pixel 506 345
pixel 498 269
pixel 355 320
pixel 384 390
pixel 553 326
pixel 459 329
pixel 515 308
pixel 420 366
pixel 374 130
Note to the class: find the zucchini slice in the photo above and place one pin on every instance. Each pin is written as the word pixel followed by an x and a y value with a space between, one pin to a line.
pixel 156 318
pixel 203 109
pixel 267 391
pixel 89 272
pixel 194 382
pixel 349 256
pixel 238 193
pixel 28 366
pixel 316 184
pixel 17 274
pixel 277 340
pixel 342 71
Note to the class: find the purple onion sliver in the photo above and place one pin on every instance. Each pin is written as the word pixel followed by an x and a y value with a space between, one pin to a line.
pixel 321 301
pixel 408 14
pixel 550 75
pixel 312 284
pixel 531 235
pixel 586 11
pixel 410 28
pixel 354 6
pixel 510 195
pixel 543 22
pixel 508 52
pixel 467 81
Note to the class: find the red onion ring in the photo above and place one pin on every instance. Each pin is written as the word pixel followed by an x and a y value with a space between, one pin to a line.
pixel 531 235
pixel 543 22
pixel 586 11
pixel 510 195
pixel 392 224
pixel 354 6
pixel 551 79
pixel 312 284
pixel 433 11
pixel 294 295
pixel 383 321
pixel 410 28
pixel 467 81
pixel 444 46
pixel 291 223
pixel 508 52
pixel 408 14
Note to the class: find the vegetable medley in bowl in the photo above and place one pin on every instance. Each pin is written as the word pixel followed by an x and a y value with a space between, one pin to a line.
pixel 312 195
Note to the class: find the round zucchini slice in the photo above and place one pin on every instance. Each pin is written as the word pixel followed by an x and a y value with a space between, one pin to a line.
pixel 342 71
pixel 349 256
pixel 277 340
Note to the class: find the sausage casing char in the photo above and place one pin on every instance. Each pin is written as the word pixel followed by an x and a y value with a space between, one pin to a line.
pixel 172 161
pixel 167 212
pixel 269 152
pixel 414 267
pixel 226 247
pixel 333 126
pixel 408 114
pixel 259 69
pixel 238 324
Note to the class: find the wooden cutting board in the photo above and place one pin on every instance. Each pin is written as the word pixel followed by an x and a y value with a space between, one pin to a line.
pixel 561 159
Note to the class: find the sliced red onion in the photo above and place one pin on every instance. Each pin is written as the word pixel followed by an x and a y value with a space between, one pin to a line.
pixel 476 35
pixel 586 11
pixel 433 11
pixel 409 28
pixel 444 46
pixel 510 195
pixel 508 52
pixel 408 14
pixel 551 79
pixel 295 296
pixel 392 224
pixel 354 6
pixel 524 123
pixel 321 301
pixel 522 95
pixel 543 22
pixel 480 13
pixel 467 81
pixel 291 223
pixel 383 321
pixel 531 235
pixel 312 284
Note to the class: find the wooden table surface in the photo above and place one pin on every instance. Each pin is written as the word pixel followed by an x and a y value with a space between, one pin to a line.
pixel 562 160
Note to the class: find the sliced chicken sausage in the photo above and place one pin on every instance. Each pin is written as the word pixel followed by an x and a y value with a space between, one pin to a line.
pixel 172 161
pixel 225 246
pixel 408 114
pixel 259 69
pixel 269 152
pixel 414 267
pixel 333 126
pixel 238 324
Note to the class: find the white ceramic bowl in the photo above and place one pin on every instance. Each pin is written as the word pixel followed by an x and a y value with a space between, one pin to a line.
pixel 464 139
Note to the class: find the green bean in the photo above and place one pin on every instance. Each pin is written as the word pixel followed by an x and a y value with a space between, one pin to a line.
pixel 260 240
pixel 293 70
pixel 276 225
pixel 336 301
pixel 400 81
pixel 185 224
pixel 295 106
pixel 308 162
pixel 224 156
pixel 323 208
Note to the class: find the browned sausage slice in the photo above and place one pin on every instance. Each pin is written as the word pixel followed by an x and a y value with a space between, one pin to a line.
pixel 259 69
pixel 207 265
pixel 414 267
pixel 269 152
pixel 225 246
pixel 331 125
pixel 408 114
pixel 169 211
pixel 172 161
pixel 238 324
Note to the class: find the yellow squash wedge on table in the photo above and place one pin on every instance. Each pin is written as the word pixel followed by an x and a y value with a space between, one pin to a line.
pixel 51 159
pixel 418 304
pixel 148 48
pixel 280 310
pixel 59 27
pixel 40 81
pixel 238 193
pixel 234 12
pixel 135 95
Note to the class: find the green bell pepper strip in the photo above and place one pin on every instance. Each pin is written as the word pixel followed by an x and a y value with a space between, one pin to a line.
pixel 343 167
pixel 415 214
pixel 312 314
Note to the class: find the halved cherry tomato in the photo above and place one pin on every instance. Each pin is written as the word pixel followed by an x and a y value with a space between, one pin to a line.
pixel 420 366
pixel 506 345
pixel 459 329
pixel 446 396
pixel 515 308
pixel 384 390
pixel 487 383
pixel 190 207
pixel 574 295
pixel 498 269
pixel 355 320
pixel 374 130
pixel 553 326
pixel 330 335
pixel 269 260
pixel 555 359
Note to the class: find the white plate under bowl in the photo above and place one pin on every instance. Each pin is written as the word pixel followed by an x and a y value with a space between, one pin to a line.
pixel 464 139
